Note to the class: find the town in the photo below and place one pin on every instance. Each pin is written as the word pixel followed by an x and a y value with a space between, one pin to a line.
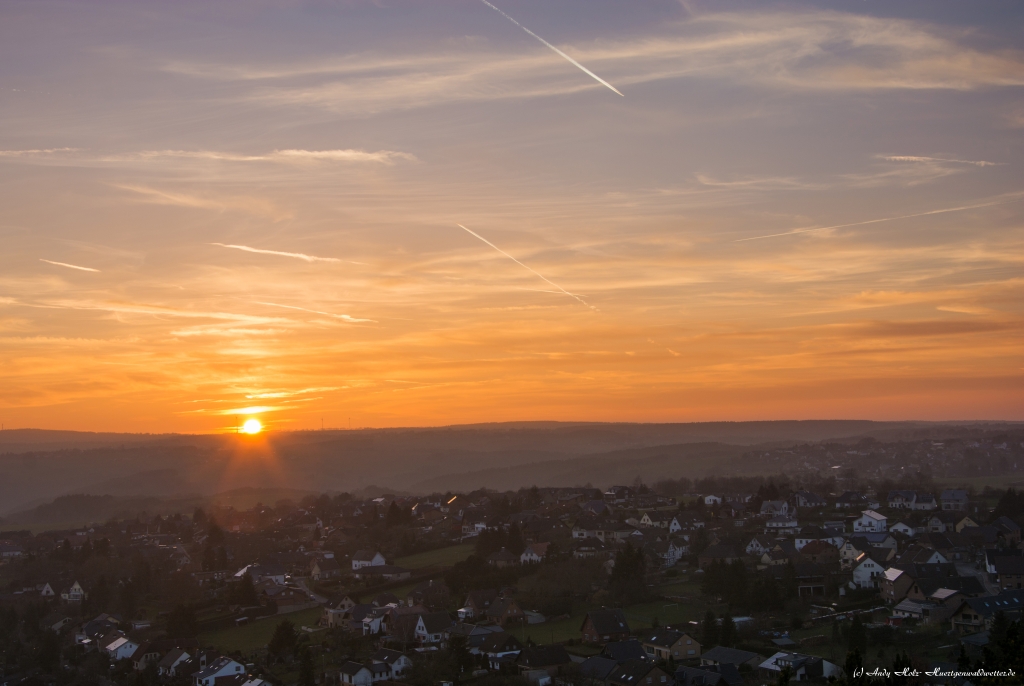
pixel 810 575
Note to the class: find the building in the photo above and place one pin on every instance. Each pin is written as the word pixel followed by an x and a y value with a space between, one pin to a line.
pixel 398 663
pixel 720 655
pixel 219 668
pixel 534 553
pixel 355 674
pixel 666 643
pixel 639 673
pixel 954 499
pixel 871 522
pixel 976 614
pixel 801 667
pixel 364 558
pixel 602 626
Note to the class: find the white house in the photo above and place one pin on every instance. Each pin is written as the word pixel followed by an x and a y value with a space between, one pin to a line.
pixel 399 663
pixel 74 594
pixel 355 673
pixel 814 533
pixel 801 667
pixel 759 545
pixel 365 558
pixel 712 500
pixel 871 521
pixel 866 572
pixel 168 665
pixel 904 529
pixel 222 666
pixel 430 627
pixel 534 553
pixel 901 500
pixel 774 508
pixel 925 501
pixel 782 524
pixel 118 646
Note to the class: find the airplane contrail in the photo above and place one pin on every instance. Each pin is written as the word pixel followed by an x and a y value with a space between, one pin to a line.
pixel 571 295
pixel 877 221
pixel 296 255
pixel 69 266
pixel 343 317
pixel 587 71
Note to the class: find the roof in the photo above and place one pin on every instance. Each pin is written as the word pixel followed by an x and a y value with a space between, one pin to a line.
pixel 543 656
pixel 664 638
pixel 608 621
pixel 597 667
pixel 694 676
pixel 631 672
pixel 364 556
pixel 436 622
pixel 871 514
pixel 620 651
pixel 953 494
pixel 502 556
pixel 1007 601
pixel 892 574
pixel 1009 565
pixel 351 668
pixel 727 656
pixel 171 657
pixel 387 655
pixel 500 642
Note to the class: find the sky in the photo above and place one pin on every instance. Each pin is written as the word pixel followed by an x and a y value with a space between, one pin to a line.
pixel 401 213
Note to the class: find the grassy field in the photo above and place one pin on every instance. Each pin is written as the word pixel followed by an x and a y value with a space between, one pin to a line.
pixel 980 482
pixel 442 557
pixel 249 637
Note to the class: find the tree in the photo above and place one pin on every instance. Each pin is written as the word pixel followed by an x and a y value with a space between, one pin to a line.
pixel 709 631
pixel 307 677
pixel 458 649
pixel 857 638
pixel 628 579
pixel 515 543
pixel 181 622
pixel 727 632
pixel 283 641
pixel 243 592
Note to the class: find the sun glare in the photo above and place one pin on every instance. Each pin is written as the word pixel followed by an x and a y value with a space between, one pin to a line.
pixel 252 426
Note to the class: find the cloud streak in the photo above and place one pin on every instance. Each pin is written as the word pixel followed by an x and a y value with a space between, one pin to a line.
pixel 533 271
pixel 878 221
pixel 580 66
pixel 343 317
pixel 69 266
pixel 296 255
pixel 915 158
pixel 290 155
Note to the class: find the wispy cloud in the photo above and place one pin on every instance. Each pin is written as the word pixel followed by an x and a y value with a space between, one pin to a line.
pixel 34 152
pixel 290 156
pixel 878 221
pixel 296 255
pixel 915 158
pixel 247 204
pixel 343 317
pixel 69 266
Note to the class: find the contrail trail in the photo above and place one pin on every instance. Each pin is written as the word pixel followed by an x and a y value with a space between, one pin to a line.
pixel 571 295
pixel 587 71
pixel 69 266
pixel 876 221
pixel 343 317
pixel 296 255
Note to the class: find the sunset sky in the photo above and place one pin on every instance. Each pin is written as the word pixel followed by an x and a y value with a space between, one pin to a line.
pixel 213 211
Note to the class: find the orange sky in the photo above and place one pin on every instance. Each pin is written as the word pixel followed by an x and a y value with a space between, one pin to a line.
pixel 207 210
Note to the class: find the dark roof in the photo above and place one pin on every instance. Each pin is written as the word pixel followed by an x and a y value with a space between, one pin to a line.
pixel 387 655
pixel 620 651
pixel 597 667
pixel 385 599
pixel 537 657
pixel 664 638
pixel 500 642
pixel 968 585
pixel 1009 565
pixel 631 672
pixel 730 656
pixel 436 622
pixel 1007 601
pixel 351 668
pixel 608 621
pixel 501 606
pixel 482 598
pixel 932 570
pixel 694 676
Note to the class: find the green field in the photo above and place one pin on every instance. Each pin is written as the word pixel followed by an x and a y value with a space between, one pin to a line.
pixel 980 482
pixel 254 635
pixel 442 557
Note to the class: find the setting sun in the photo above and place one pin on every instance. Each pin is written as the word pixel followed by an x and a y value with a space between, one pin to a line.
pixel 252 426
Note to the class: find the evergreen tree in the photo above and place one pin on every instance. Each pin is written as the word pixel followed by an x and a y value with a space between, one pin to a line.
pixel 282 643
pixel 709 631
pixel 727 632
pixel 515 543
pixel 243 592
pixel 307 677
pixel 857 639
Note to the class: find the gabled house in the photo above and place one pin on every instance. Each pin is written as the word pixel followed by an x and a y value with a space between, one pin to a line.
pixel 821 552
pixel 366 558
pixel 870 521
pixel 666 643
pixel 851 500
pixel 169 663
pixel 781 524
pixel 398 663
pixel 894 584
pixel 720 552
pixel 976 614
pixel 74 593
pixel 219 668
pixel 801 667
pixel 549 658
pixel 775 508
pixel 901 500
pixel 759 545
pixel 639 673
pixel 117 646
pixel 808 500
pixel 505 611
pixel 500 647
pixel 355 674
pixel 721 655
pixel 324 568
pixel 816 533
pixel 954 499
pixel 866 572
pixel 430 628
pixel 925 501
pixel 602 626
pixel 477 603
pixel 534 553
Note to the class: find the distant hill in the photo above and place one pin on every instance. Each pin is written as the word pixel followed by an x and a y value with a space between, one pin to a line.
pixel 37 466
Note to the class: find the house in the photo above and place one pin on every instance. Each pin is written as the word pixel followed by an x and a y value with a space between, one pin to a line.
pixel 365 558
pixel 500 647
pixel 964 523
pixel 809 500
pixel 712 500
pixel 477 603
pixel 801 667
pixel 866 572
pixel 976 614
pixel 10 550
pixel 601 626
pixel 505 611
pixel 549 658
pixel 925 501
pixel 1009 571
pixel 168 663
pixel 74 594
pixel 870 521
pixel 720 655
pixel 117 646
pixel 145 654
pixel 431 594
pixel 954 499
pixel 720 552
pixel 623 651
pixel 355 674
pixel 502 558
pixel 221 667
pixel 597 668
pixel 782 524
pixel 894 584
pixel 725 675
pixel 902 527
pixel 398 663
pixel 55 621
pixel 666 643
pixel 901 500
pixel 534 553
pixel 775 508
pixel 618 494
pixel 639 673
pixel 325 568
pixel 759 545
pixel 850 500
pixel 816 533
pixel 430 627
pixel 384 572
